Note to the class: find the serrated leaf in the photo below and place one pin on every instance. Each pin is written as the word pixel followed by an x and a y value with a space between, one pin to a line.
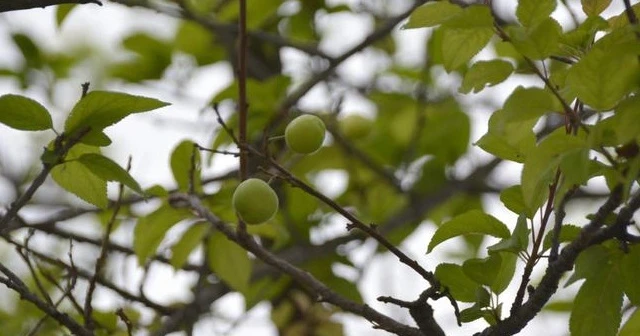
pixel 530 12
pixel 190 239
pixel 432 14
pixel 603 77
pixel 229 262
pixel 106 169
pixel 100 109
pixel 24 113
pixel 597 306
pixel 151 229
pixel 77 179
pixel 594 7
pixel 459 285
pixel 185 162
pixel 62 11
pixel 471 222
pixel 485 73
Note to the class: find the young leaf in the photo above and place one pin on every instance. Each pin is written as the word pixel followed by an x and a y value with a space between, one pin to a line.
pixel 151 229
pixel 181 165
pixel 100 109
pixel 531 12
pixel 471 222
pixel 191 238
pixel 432 14
pixel 24 113
pixel 77 179
pixel 106 169
pixel 594 7
pixel 458 283
pixel 505 273
pixel 485 73
pixel 229 261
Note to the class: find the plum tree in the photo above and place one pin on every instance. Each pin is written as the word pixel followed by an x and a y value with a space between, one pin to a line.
pixel 305 134
pixel 255 201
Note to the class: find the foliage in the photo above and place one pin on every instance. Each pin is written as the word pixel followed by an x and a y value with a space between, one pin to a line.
pixel 571 118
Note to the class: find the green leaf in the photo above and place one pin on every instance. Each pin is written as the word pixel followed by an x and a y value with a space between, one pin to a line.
pixel 537 42
pixel 531 12
pixel 589 263
pixel 62 11
pixel 77 179
pixel 528 103
pixel 632 326
pixel 519 240
pixel 458 283
pixel 24 113
pixel 568 233
pixel 485 73
pixel 512 199
pixel 190 239
pixel 182 168
pixel 151 229
pixel 471 222
pixel 432 14
pixel 106 169
pixel 631 274
pixel 604 76
pixel 505 273
pixel 229 261
pixel 594 7
pixel 465 35
pixel 100 109
pixel 483 271
pixel 460 45
pixel 540 165
pixel 597 307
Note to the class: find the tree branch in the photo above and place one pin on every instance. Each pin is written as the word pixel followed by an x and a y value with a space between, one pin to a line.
pixel 322 292
pixel 15 5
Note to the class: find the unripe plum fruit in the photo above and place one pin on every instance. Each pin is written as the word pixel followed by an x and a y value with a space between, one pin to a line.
pixel 305 134
pixel 255 201
pixel 355 126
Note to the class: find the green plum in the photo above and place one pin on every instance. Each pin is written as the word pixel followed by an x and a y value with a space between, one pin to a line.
pixel 305 134
pixel 255 201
